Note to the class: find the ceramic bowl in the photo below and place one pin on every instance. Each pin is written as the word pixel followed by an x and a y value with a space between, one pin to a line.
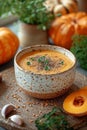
pixel 44 86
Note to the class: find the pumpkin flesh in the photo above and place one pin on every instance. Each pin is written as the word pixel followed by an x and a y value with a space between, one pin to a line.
pixel 76 103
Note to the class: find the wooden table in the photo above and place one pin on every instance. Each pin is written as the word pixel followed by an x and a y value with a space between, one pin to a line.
pixel 28 107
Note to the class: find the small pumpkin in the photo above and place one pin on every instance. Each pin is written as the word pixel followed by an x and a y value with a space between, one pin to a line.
pixel 64 27
pixel 76 103
pixel 61 6
pixel 85 87
pixel 9 44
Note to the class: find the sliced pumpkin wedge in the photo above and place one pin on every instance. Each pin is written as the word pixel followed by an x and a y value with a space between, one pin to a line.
pixel 76 103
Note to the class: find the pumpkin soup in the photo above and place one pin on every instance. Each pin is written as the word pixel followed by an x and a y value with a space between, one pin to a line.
pixel 45 62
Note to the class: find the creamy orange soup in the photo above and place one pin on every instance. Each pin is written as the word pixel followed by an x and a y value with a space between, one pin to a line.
pixel 45 62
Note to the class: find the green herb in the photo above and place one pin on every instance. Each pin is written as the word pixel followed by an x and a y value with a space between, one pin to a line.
pixel 28 11
pixel 41 59
pixel 61 62
pixel 44 62
pixel 28 63
pixel 32 58
pixel 54 120
pixel 79 49
pixel 47 67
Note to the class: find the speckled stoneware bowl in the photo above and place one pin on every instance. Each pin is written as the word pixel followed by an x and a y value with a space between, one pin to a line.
pixel 44 86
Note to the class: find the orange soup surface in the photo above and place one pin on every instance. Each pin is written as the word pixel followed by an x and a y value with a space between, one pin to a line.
pixel 45 62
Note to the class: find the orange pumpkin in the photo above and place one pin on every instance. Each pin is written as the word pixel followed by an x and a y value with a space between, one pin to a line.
pixel 85 87
pixel 76 103
pixel 63 28
pixel 9 44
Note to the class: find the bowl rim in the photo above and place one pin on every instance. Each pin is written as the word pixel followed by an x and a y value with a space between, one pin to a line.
pixel 33 46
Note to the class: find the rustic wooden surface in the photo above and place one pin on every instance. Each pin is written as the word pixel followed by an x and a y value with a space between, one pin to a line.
pixel 30 108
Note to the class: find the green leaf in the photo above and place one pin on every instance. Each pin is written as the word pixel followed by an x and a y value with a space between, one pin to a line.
pixel 41 59
pixel 79 49
pixel 54 120
pixel 28 63
pixel 28 11
pixel 47 67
